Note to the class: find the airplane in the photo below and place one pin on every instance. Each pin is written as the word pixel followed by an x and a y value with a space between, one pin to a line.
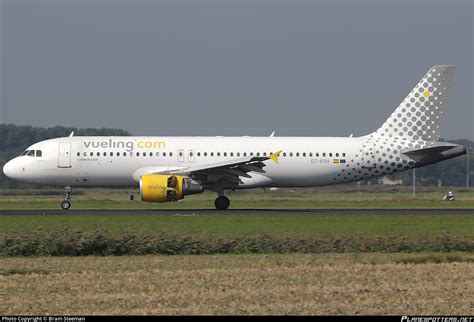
pixel 169 168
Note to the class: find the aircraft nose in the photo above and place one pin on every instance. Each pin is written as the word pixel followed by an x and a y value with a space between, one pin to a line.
pixel 9 169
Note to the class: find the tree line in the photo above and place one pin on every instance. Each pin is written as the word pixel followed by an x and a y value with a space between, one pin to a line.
pixel 16 138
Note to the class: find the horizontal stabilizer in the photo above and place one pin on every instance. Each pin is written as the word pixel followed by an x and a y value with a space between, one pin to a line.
pixel 435 153
pixel 420 153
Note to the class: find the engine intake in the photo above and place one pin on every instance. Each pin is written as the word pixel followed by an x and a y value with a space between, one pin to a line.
pixel 165 187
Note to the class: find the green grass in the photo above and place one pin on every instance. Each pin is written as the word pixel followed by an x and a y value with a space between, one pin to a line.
pixel 376 197
pixel 246 225
pixel 249 225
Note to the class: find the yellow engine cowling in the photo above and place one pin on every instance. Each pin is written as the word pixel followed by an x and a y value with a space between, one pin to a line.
pixel 165 187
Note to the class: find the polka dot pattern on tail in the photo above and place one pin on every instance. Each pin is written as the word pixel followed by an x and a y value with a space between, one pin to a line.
pixel 419 116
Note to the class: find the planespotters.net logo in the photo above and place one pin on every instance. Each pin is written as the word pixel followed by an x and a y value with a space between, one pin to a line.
pixel 437 319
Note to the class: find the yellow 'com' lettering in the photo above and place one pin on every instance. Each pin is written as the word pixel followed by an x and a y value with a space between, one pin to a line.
pixel 151 144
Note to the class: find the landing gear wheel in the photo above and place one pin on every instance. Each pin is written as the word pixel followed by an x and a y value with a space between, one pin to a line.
pixel 222 203
pixel 65 204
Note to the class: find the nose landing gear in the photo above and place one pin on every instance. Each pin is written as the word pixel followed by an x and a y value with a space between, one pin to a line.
pixel 66 203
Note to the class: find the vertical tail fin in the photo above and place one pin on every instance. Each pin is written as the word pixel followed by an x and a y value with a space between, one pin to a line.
pixel 419 116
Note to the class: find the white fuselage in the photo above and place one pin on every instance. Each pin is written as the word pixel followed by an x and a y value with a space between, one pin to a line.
pixel 113 161
pixel 121 161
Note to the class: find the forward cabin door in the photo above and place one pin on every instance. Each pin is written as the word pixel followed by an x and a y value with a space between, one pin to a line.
pixel 368 155
pixel 64 155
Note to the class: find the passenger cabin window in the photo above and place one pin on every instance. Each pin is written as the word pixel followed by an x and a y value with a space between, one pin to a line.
pixel 78 154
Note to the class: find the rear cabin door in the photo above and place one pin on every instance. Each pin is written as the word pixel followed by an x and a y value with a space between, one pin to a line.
pixel 368 155
pixel 64 155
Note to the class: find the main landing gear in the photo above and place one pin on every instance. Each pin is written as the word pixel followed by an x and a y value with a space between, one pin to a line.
pixel 66 203
pixel 222 203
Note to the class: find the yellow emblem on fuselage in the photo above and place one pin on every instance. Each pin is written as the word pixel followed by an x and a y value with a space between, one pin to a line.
pixel 274 156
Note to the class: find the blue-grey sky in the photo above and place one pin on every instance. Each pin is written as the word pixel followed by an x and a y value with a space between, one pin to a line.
pixel 229 67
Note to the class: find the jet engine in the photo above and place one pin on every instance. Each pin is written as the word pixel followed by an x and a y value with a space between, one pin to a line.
pixel 165 187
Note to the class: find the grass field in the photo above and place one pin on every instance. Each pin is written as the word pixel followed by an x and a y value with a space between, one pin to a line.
pixel 345 197
pixel 250 225
pixel 321 283
pixel 399 284
pixel 243 225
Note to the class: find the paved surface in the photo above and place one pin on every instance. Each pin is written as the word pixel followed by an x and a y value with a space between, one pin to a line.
pixel 197 212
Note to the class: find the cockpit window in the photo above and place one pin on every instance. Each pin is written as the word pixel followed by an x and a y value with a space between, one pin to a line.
pixel 31 153
pixel 39 153
pixel 25 152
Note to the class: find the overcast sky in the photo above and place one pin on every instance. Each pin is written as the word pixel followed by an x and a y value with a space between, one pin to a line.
pixel 229 67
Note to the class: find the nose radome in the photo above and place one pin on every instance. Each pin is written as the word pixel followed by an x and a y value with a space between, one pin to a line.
pixel 8 169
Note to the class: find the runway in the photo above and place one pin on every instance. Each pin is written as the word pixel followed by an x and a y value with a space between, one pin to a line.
pixel 236 212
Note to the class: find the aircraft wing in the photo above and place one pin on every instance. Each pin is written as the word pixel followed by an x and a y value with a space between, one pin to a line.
pixel 230 170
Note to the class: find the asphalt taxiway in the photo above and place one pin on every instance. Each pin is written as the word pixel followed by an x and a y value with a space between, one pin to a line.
pixel 232 212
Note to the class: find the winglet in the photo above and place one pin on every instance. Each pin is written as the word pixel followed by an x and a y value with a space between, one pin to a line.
pixel 72 134
pixel 274 156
